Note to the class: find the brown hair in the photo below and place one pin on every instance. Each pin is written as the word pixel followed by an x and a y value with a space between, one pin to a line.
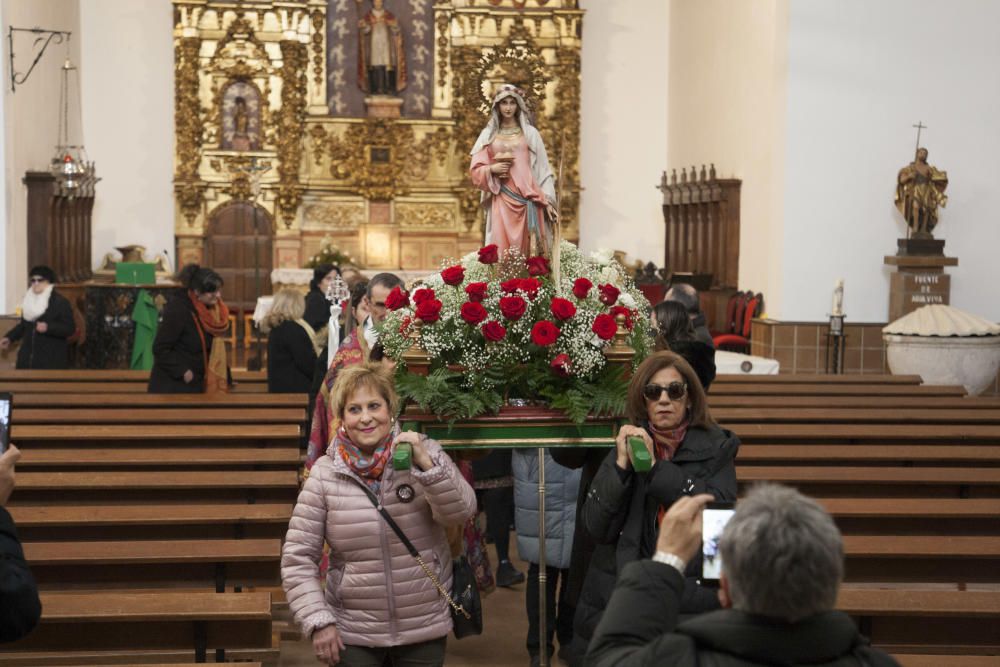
pixel 635 405
pixel 374 376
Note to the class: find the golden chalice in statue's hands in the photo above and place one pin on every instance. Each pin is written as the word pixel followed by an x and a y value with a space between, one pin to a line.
pixel 504 157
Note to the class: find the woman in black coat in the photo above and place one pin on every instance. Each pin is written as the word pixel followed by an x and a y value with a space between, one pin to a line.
pixel 317 308
pixel 691 454
pixel 189 343
pixel 291 353
pixel 675 332
pixel 46 324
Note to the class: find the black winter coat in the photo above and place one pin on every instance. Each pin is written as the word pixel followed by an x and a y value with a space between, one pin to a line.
pixel 700 356
pixel 317 313
pixel 178 348
pixel 620 514
pixel 20 607
pixel 291 359
pixel 50 349
pixel 640 628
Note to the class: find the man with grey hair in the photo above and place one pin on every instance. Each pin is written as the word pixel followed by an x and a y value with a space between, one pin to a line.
pixel 688 297
pixel 783 561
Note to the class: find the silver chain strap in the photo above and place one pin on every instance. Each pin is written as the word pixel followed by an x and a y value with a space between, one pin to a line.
pixel 459 609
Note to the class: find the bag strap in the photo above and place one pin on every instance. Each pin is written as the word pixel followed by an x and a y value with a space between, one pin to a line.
pixel 459 609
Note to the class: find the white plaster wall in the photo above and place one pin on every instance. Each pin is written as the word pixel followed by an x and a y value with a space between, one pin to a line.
pixel 726 105
pixel 623 143
pixel 860 73
pixel 128 113
pixel 30 123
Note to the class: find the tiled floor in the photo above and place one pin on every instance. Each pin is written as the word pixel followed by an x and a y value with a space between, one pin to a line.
pixel 500 645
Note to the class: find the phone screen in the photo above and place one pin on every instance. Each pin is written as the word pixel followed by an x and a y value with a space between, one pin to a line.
pixel 715 518
pixel 5 403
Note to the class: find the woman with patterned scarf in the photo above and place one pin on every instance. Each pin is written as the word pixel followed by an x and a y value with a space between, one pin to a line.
pixel 379 604
pixel 189 352
pixel 691 454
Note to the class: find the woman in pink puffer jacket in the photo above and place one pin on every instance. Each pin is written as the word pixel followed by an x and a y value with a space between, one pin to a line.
pixel 378 602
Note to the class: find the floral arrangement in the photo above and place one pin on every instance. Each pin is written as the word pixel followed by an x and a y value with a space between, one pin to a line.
pixel 329 254
pixel 496 328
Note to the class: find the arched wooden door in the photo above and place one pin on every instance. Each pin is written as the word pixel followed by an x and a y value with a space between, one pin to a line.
pixel 241 256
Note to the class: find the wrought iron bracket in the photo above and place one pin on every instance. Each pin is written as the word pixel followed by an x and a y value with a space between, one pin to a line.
pixel 41 35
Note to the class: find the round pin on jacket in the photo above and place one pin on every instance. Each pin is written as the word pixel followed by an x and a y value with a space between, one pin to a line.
pixel 405 493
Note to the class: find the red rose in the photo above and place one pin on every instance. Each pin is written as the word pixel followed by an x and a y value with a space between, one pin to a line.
pixel 407 321
pixel 513 307
pixel 429 311
pixel 604 326
pixel 560 365
pixel 423 294
pixel 489 254
pixel 530 286
pixel 493 331
pixel 453 275
pixel 398 298
pixel 622 310
pixel 476 291
pixel 563 309
pixel 537 266
pixel 510 286
pixel 609 294
pixel 544 333
pixel 473 312
pixel 581 288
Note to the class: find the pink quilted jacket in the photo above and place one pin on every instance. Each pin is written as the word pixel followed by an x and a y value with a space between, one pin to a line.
pixel 376 593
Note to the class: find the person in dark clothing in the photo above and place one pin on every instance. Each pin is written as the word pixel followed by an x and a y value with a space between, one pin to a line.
pixel 493 481
pixel 291 352
pixel 676 332
pixel 688 297
pixel 783 560
pixel 20 607
pixel 46 324
pixel 668 412
pixel 189 353
pixel 358 314
pixel 317 308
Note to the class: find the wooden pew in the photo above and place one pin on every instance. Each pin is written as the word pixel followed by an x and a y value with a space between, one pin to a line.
pixel 757 432
pixel 764 388
pixel 103 387
pixel 126 434
pixel 105 621
pixel 809 378
pixel 161 401
pixel 915 516
pixel 113 375
pixel 898 454
pixel 931 660
pixel 159 457
pixel 736 418
pixel 798 401
pixel 155 563
pixel 928 620
pixel 922 558
pixel 171 520
pixel 57 488
pixel 877 482
pixel 177 415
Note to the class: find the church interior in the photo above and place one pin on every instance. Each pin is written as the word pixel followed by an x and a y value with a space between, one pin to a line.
pixel 816 173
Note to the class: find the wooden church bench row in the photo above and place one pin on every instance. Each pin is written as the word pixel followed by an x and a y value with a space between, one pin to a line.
pixel 159 401
pixel 952 433
pixel 258 657
pixel 178 415
pixel 859 415
pixel 21 433
pixel 898 454
pixel 110 375
pixel 38 457
pixel 104 387
pixel 866 402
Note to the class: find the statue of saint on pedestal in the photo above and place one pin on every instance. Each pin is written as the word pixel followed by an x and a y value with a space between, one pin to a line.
pixel 381 58
pixel 919 193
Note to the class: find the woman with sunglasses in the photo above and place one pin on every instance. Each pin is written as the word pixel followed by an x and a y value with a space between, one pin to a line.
pixel 46 324
pixel 691 455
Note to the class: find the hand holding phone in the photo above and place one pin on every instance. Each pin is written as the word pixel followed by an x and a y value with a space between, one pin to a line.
pixel 680 531
pixel 6 401
pixel 7 462
pixel 716 516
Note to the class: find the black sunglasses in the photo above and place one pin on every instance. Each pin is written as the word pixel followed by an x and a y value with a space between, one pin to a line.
pixel 675 391
pixel 32 281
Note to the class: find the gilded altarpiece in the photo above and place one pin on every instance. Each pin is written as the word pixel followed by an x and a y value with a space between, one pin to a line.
pixel 391 189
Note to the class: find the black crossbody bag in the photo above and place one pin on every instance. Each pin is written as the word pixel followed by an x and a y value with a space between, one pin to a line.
pixel 466 605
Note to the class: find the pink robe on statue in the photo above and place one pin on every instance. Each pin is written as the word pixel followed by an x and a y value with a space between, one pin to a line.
pixel 508 218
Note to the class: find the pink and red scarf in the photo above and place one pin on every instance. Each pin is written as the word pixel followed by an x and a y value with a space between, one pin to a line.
pixel 369 467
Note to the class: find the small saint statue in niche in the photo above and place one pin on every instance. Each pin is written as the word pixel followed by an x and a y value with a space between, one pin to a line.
pixel 240 117
pixel 919 193
pixel 381 58
pixel 838 298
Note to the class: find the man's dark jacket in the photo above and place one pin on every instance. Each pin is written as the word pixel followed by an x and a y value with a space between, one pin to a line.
pixel 640 628
pixel 20 608
pixel 49 350
pixel 177 349
pixel 621 511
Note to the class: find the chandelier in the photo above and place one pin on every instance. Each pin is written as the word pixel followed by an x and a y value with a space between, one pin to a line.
pixel 75 175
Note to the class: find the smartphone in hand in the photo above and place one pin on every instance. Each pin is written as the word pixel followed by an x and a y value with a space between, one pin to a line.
pixel 714 520
pixel 6 400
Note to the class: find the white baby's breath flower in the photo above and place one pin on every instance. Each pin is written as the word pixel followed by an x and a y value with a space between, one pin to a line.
pixel 626 300
pixel 603 256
